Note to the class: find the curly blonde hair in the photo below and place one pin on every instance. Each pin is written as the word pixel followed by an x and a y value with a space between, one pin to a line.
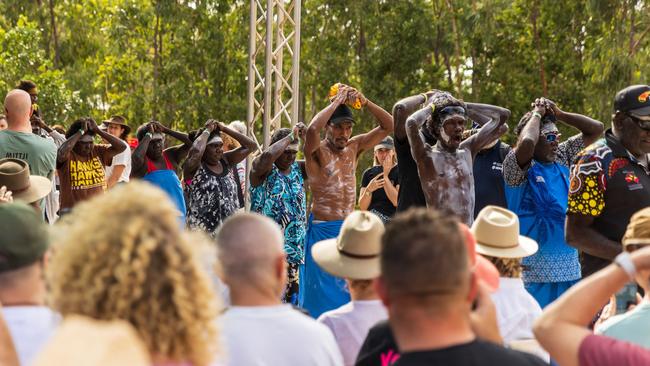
pixel 508 267
pixel 123 255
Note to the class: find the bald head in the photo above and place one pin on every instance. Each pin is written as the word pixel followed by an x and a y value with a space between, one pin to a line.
pixel 249 247
pixel 18 108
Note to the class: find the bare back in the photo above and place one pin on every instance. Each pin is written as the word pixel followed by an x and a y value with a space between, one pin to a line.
pixel 452 187
pixel 332 180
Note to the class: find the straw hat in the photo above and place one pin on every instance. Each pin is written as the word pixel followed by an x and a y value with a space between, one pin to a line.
pixel 638 230
pixel 497 234
pixel 14 174
pixel 355 252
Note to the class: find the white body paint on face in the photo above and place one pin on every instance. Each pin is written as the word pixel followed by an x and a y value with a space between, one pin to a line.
pixel 444 135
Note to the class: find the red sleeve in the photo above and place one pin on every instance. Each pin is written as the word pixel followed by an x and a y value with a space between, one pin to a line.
pixel 596 350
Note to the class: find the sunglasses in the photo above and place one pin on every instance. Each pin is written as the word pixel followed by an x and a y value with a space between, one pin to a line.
pixel 552 136
pixel 447 111
pixel 643 123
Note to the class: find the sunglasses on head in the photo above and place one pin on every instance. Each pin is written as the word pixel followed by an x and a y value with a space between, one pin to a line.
pixel 643 123
pixel 552 136
pixel 451 110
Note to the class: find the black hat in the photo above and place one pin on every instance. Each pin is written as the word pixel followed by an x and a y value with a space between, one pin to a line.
pixel 342 113
pixel 634 100
pixel 386 143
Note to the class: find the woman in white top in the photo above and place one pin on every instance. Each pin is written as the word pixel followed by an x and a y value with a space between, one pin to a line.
pixel 120 169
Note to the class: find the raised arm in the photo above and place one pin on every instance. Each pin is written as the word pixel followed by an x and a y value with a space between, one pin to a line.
pixel 404 108
pixel 525 148
pixel 117 146
pixel 63 153
pixel 248 145
pixel 591 129
pixel 563 325
pixel 139 156
pixel 384 120
pixel 492 118
pixel 175 153
pixel 193 161
pixel 419 147
pixel 263 164
pixel 312 138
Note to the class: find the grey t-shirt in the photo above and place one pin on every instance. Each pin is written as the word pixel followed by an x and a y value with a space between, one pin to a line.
pixel 38 152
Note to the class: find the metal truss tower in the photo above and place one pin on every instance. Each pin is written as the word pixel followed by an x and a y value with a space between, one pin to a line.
pixel 273 65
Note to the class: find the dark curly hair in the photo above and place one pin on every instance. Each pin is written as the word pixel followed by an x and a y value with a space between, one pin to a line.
pixel 78 125
pixel 26 85
pixel 443 99
pixel 280 134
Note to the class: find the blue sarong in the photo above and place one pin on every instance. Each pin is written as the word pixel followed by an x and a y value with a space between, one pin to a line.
pixel 320 291
pixel 168 181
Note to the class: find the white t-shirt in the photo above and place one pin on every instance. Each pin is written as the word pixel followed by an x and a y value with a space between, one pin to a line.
pixel 350 324
pixel 30 328
pixel 275 335
pixel 123 158
pixel 516 310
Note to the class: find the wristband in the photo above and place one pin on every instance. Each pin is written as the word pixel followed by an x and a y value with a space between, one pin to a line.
pixel 148 134
pixel 206 130
pixel 81 132
pixel 536 114
pixel 433 108
pixel 292 137
pixel 424 96
pixel 624 260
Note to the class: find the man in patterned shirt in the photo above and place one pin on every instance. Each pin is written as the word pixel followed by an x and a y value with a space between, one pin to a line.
pixel 536 172
pixel 277 191
pixel 610 181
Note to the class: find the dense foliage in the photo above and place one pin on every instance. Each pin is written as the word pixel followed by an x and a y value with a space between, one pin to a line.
pixel 182 61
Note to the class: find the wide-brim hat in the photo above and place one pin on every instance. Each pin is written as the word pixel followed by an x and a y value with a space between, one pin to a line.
pixel 354 254
pixel 127 128
pixel 496 231
pixel 15 175
pixel 638 230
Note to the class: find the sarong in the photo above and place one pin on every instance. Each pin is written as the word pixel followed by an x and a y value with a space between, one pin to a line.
pixel 320 291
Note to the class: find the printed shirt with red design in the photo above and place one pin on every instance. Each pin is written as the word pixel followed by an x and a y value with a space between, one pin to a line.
pixel 609 184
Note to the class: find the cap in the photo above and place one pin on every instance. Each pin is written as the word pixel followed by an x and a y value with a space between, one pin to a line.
pixel 634 99
pixel 24 236
pixel 341 114
pixel 386 143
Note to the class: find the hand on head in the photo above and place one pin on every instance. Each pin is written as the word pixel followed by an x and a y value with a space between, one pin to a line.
pixel 91 125
pixel 299 130
pixel 539 106
pixel 211 125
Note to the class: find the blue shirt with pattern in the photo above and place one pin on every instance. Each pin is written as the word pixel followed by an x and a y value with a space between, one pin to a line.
pixel 282 198
pixel 538 194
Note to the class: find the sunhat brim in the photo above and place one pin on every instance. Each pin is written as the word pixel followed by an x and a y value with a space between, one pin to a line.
pixel 328 257
pixel 525 248
pixel 39 187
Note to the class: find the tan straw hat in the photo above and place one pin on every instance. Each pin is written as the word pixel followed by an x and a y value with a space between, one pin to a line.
pixel 638 230
pixel 355 253
pixel 497 234
pixel 14 174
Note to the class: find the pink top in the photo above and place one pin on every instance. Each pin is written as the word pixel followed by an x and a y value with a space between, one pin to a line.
pixel 596 350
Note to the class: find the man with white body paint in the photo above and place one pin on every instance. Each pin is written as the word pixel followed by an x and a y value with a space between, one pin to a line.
pixel 330 164
pixel 445 169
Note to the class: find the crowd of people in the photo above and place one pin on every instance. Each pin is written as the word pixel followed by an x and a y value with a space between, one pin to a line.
pixel 456 248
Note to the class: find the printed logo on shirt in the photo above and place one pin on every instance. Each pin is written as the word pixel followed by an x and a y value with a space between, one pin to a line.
pixel 633 181
pixel 17 155
pixel 497 166
pixel 539 179
pixel 644 97
pixel 86 174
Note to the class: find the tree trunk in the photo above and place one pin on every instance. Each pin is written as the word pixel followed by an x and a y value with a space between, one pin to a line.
pixel 55 35
pixel 156 64
pixel 538 46
pixel 457 47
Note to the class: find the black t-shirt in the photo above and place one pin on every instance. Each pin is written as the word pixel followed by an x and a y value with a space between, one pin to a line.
pixel 475 353
pixel 379 345
pixel 410 191
pixel 489 186
pixel 379 200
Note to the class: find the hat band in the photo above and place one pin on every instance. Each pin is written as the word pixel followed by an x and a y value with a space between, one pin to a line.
pixel 17 191
pixel 499 246
pixel 358 256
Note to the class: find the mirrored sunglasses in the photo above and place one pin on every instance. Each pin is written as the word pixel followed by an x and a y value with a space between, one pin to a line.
pixel 552 136
pixel 643 122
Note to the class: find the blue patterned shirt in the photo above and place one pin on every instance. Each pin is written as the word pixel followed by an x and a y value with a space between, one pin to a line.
pixel 282 198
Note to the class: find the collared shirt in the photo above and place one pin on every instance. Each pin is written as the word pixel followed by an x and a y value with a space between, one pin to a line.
pixel 537 193
pixel 610 185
